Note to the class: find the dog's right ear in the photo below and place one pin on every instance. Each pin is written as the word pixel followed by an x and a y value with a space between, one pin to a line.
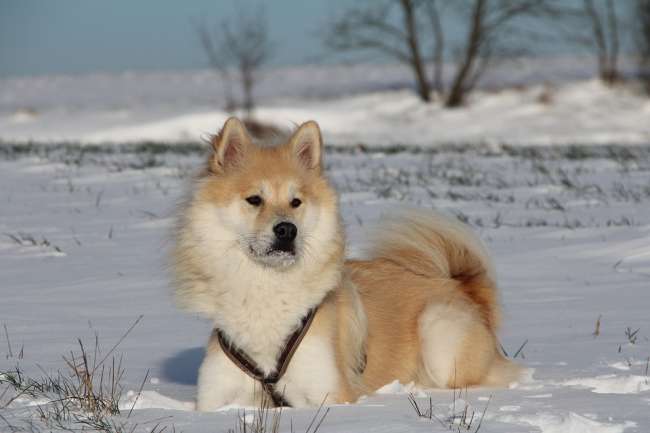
pixel 229 146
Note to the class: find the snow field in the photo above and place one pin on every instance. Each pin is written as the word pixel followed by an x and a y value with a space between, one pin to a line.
pixel 583 112
pixel 83 253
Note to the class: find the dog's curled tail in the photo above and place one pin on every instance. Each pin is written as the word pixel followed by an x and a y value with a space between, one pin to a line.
pixel 427 242
pixel 436 246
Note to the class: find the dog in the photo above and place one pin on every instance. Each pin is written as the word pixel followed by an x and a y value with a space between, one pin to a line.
pixel 260 244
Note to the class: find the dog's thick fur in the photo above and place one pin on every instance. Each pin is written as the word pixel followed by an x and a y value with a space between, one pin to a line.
pixel 421 307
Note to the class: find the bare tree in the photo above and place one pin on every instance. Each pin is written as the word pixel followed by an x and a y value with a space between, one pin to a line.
pixel 241 43
pixel 475 45
pixel 376 27
pixel 209 39
pixel 434 12
pixel 490 24
pixel 594 25
pixel 605 38
pixel 413 44
pixel 643 41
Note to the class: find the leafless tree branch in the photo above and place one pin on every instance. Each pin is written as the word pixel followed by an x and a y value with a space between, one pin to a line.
pixel 433 13
pixel 374 28
pixel 242 43
pixel 216 60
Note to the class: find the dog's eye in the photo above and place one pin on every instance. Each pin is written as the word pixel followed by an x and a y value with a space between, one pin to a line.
pixel 254 200
pixel 296 202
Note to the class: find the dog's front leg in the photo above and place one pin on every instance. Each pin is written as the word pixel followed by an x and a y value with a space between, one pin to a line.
pixel 312 376
pixel 222 383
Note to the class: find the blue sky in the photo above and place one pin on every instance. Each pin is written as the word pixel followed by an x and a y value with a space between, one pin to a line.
pixel 77 36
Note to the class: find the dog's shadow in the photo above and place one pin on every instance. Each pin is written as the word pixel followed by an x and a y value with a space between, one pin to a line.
pixel 183 367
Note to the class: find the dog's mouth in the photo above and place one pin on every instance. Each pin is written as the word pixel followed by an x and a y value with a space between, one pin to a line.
pixel 279 254
pixel 282 247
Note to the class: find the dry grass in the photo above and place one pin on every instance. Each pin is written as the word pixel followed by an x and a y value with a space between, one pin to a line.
pixel 632 335
pixel 266 419
pixel 10 354
pixel 462 416
pixel 28 240
pixel 85 395
pixel 596 332
pixel 518 352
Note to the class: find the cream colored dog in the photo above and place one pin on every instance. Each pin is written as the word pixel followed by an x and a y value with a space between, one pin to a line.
pixel 260 243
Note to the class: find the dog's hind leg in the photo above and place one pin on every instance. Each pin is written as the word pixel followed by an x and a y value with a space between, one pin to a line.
pixel 457 347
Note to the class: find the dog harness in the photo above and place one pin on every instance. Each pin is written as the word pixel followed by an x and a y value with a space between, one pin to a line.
pixel 250 367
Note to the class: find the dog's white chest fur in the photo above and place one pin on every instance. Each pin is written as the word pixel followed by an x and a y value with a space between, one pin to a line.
pixel 260 315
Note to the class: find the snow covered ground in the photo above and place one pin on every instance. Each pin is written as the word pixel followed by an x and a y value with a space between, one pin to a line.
pixel 369 104
pixel 85 234
pixel 84 231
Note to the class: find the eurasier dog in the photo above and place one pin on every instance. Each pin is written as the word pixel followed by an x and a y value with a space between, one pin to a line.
pixel 260 251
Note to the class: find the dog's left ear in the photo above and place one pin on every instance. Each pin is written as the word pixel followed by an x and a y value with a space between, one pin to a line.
pixel 307 144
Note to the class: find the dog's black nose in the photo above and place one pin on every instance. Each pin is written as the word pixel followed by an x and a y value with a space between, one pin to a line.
pixel 285 231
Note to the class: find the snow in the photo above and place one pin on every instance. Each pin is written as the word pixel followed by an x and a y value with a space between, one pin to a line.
pixel 370 105
pixel 613 384
pixel 153 400
pixel 399 388
pixel 84 234
pixel 571 423
pixel 570 237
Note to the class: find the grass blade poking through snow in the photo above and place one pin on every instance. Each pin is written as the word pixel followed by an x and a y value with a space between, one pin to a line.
pixel 86 395
pixel 461 420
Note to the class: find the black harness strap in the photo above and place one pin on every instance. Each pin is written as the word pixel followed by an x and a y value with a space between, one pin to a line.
pixel 249 366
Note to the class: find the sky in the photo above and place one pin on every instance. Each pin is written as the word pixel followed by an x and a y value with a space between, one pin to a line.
pixel 40 37
pixel 79 36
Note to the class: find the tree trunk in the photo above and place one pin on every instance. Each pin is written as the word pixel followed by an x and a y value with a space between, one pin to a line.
pixel 612 64
pixel 606 42
pixel 438 47
pixel 231 104
pixel 247 82
pixel 423 86
pixel 643 42
pixel 457 93
pixel 438 64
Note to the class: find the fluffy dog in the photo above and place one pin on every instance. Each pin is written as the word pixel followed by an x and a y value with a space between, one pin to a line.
pixel 260 243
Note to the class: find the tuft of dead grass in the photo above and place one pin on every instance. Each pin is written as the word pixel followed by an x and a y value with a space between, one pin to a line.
pixel 462 417
pixel 267 419
pixel 85 395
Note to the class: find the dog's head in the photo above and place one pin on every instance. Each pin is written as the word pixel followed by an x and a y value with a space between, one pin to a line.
pixel 272 202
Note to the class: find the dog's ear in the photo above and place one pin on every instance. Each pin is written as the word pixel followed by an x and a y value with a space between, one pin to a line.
pixel 230 145
pixel 307 145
